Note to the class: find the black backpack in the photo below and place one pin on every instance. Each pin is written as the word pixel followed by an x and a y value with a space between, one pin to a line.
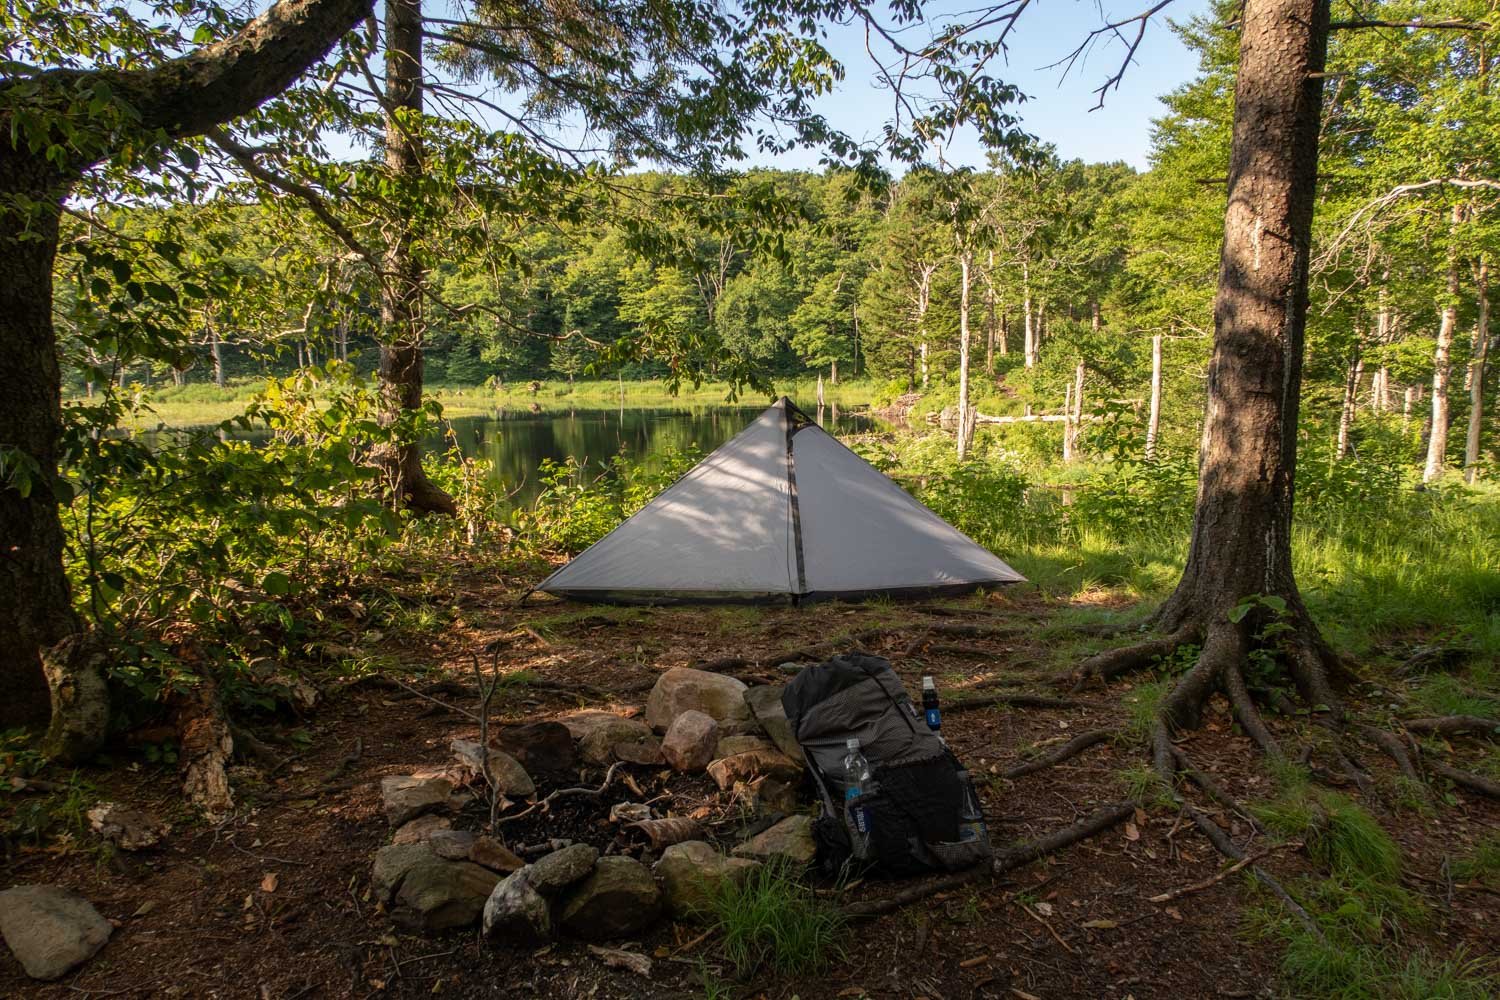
pixel 916 809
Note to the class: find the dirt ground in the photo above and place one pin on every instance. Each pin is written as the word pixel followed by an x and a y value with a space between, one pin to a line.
pixel 275 903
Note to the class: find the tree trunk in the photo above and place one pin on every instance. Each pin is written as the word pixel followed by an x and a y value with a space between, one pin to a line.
pixel 1004 333
pixel 1476 371
pixel 963 354
pixel 1073 410
pixel 1351 400
pixel 833 372
pixel 1029 343
pixel 36 610
pixel 1241 542
pixel 1153 422
pixel 401 317
pixel 217 347
pixel 1442 363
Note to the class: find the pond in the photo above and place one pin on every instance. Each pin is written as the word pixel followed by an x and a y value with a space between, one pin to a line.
pixel 517 442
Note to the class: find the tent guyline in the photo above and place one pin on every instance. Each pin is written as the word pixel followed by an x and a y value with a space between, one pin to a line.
pixel 780 513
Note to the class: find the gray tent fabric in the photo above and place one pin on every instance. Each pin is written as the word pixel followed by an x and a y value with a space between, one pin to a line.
pixel 782 511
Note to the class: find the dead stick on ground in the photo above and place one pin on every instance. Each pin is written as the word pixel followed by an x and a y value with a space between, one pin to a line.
pixel 441 704
pixel 609 777
pixel 1050 930
pixel 1249 859
pixel 1072 748
pixel 1097 822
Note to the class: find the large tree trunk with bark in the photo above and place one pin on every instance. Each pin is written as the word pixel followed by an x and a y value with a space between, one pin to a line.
pixel 1241 544
pixel 36 610
pixel 401 318
pixel 1476 371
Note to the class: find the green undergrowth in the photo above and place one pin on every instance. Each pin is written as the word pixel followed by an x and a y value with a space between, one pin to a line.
pixel 771 919
pixel 1481 865
pixel 1369 942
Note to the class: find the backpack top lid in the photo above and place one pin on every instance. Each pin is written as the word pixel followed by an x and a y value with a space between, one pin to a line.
pixel 855 696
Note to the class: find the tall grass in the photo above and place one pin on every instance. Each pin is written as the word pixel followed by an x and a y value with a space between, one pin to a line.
pixel 772 919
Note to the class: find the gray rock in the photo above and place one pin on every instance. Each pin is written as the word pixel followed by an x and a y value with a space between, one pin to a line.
pixel 683 689
pixel 50 929
pixel 494 855
pixel 764 702
pixel 731 745
pixel 454 845
pixel 392 862
pixel 516 913
pixel 510 778
pixel 728 771
pixel 792 839
pixel 405 797
pixel 690 741
pixel 554 872
pixel 770 795
pixel 598 745
pixel 645 752
pixel 441 895
pixel 620 897
pixel 416 831
pixel 126 828
pixel 691 874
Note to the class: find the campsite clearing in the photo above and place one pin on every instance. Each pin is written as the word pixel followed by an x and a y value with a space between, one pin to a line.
pixel 206 910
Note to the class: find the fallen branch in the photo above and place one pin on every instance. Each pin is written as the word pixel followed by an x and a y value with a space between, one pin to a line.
pixel 1468 779
pixel 1094 824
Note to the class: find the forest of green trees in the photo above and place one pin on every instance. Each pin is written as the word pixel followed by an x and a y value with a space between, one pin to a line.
pixel 846 275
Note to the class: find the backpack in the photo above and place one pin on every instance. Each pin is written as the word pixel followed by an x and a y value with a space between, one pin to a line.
pixel 915 811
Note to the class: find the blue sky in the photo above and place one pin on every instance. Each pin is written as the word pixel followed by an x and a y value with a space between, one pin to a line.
pixel 1058 108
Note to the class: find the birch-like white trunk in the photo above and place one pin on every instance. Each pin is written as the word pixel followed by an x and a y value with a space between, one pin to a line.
pixel 1442 369
pixel 1476 372
pixel 963 355
pixel 1153 421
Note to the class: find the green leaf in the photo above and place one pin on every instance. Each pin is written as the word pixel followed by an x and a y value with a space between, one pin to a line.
pixel 277 584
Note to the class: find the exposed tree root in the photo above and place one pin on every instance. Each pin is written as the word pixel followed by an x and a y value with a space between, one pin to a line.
pixel 1114 662
pixel 1213 789
pixel 1456 725
pixel 1467 779
pixel 1094 824
pixel 1070 749
pixel 1247 715
pixel 1393 748
pixel 1013 700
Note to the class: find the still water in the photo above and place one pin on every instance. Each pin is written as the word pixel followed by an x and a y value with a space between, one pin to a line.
pixel 516 442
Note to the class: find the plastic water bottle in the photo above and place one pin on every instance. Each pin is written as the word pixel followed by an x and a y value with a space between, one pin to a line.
pixel 930 708
pixel 857 782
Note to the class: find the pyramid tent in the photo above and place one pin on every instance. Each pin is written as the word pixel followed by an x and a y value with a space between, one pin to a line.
pixel 782 511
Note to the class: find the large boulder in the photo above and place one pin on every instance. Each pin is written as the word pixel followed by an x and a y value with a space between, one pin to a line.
pixel 554 872
pixel 545 749
pixel 510 778
pixel 516 913
pixel 691 874
pixel 50 929
pixel 683 689
pixel 690 741
pixel 620 897
pixel 752 764
pixel 441 895
pixel 791 839
pixel 407 796
pixel 764 702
